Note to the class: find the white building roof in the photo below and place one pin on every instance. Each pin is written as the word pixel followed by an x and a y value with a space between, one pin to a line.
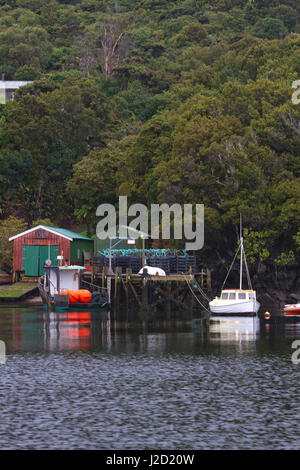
pixel 44 227
pixel 12 84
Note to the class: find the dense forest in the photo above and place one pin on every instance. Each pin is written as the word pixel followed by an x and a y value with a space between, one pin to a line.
pixel 184 101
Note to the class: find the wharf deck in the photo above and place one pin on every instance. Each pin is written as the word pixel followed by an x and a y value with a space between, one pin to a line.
pixel 152 292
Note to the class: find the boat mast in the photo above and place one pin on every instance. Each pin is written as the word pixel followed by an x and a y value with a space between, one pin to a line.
pixel 242 253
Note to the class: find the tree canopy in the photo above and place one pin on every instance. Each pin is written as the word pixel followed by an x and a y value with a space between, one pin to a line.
pixel 164 101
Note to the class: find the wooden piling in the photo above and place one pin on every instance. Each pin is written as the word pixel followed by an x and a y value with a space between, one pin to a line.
pixel 145 294
pixel 135 294
pixel 125 287
pixel 103 277
pixel 153 293
pixel 208 279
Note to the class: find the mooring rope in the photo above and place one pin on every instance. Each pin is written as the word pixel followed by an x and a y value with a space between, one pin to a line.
pixel 201 290
pixel 203 306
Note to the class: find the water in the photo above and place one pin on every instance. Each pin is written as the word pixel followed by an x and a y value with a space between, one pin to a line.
pixel 77 382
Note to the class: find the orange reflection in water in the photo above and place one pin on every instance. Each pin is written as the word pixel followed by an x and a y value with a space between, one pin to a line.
pixel 75 330
pixel 80 317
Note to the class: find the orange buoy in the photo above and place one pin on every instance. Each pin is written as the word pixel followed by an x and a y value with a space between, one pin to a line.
pixel 84 296
pixel 73 296
pixel 65 292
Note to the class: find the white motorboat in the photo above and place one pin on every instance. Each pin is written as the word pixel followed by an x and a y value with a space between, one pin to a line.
pixel 236 301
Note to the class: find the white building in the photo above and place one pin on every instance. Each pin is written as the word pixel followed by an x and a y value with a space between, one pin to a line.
pixel 8 88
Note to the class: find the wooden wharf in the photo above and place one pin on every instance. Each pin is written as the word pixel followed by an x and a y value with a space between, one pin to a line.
pixel 152 293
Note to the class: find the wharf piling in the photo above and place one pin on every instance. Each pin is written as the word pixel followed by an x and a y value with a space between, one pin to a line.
pixel 153 293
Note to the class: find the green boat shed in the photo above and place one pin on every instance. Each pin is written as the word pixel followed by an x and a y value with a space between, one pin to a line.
pixel 38 244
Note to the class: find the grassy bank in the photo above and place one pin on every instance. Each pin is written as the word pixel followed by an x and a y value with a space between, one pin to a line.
pixel 16 290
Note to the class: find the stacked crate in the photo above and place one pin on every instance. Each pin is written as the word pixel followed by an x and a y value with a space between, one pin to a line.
pixel 170 264
pixel 159 262
pixel 135 263
pixel 123 262
pixel 173 264
pixel 98 262
pixel 184 263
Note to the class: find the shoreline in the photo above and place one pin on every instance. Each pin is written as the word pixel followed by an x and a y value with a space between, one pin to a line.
pixel 276 314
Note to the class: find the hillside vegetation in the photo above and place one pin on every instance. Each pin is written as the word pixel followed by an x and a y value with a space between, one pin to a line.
pixel 160 100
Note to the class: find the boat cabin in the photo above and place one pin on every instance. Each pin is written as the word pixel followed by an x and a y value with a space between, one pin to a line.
pixel 239 294
pixel 62 278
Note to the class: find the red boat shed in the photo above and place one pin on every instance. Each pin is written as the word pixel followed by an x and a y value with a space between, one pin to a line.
pixel 34 246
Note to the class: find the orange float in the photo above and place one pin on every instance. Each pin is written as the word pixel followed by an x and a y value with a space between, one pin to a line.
pixel 73 296
pixel 84 296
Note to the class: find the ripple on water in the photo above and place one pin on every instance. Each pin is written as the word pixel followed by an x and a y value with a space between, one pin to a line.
pixel 148 401
pixel 70 384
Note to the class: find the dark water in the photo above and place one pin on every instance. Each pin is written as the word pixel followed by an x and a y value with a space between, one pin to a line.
pixel 74 381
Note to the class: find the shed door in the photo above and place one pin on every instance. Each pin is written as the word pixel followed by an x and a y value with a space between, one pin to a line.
pixel 34 257
pixel 45 251
pixel 31 260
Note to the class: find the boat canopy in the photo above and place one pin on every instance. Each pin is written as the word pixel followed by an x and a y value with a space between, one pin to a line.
pixel 70 268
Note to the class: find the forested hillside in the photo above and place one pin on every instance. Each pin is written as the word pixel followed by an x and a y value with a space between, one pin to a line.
pixel 161 100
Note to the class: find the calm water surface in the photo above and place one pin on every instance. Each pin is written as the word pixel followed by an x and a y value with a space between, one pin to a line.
pixel 75 381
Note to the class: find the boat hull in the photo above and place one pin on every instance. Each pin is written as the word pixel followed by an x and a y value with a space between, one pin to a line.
pixel 80 307
pixel 60 303
pixel 292 310
pixel 250 307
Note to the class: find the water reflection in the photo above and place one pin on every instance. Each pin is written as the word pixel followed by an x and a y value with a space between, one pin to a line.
pixel 234 328
pixel 82 380
pixel 71 331
pixel 39 330
pixel 67 331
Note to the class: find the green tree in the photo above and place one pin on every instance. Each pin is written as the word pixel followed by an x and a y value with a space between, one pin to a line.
pixel 24 47
pixel 270 28
pixel 53 130
pixel 8 228
pixel 94 182
pixel 46 222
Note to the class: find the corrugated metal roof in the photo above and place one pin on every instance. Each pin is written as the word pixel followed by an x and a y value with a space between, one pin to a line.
pixel 68 233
